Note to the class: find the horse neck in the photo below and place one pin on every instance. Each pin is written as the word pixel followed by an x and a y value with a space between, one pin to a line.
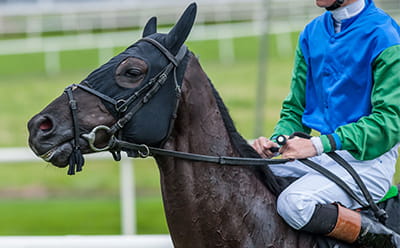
pixel 199 127
pixel 207 204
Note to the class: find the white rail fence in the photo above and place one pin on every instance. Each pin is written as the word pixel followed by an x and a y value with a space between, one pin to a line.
pixel 221 20
pixel 41 16
pixel 34 17
pixel 51 47
pixel 231 18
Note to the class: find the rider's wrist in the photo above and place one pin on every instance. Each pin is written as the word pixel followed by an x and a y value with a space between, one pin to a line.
pixel 316 141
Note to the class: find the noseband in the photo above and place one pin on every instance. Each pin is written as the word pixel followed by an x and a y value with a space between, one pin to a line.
pixel 123 107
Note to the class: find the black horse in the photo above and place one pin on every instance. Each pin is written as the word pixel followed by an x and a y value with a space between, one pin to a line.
pixel 155 93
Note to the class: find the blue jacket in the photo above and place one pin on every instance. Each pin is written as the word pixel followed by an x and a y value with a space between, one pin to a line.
pixel 340 66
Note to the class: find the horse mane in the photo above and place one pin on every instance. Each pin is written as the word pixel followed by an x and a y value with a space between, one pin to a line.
pixel 273 183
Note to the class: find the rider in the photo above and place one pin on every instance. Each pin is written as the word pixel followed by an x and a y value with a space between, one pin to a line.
pixel 346 87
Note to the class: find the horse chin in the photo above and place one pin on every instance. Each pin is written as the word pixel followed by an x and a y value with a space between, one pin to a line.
pixel 59 155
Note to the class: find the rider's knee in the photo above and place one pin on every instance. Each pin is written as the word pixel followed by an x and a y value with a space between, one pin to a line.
pixel 295 208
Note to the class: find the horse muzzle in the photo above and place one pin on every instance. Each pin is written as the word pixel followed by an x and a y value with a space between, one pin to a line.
pixel 49 141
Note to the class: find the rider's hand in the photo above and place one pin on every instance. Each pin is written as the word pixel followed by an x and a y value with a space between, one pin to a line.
pixel 298 148
pixel 262 145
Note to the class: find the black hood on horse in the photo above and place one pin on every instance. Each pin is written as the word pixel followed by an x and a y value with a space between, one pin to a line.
pixel 148 125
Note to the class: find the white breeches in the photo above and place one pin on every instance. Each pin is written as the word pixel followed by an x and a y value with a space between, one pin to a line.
pixel 297 202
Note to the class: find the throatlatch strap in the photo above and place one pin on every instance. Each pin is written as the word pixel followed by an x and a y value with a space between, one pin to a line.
pixel 76 157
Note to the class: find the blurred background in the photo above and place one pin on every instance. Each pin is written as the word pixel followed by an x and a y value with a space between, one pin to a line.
pixel 245 46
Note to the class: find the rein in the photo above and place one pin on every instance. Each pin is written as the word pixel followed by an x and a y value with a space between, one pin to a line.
pixel 145 151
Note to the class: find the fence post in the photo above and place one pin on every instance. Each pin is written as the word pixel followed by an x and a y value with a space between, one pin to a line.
pixel 225 38
pixel 262 67
pixel 105 50
pixel 284 44
pixel 226 50
pixel 127 196
pixel 52 60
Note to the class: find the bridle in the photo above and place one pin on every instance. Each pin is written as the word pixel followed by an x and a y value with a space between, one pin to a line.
pixel 126 108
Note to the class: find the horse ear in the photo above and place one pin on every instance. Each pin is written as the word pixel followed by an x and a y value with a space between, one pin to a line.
pixel 150 27
pixel 179 33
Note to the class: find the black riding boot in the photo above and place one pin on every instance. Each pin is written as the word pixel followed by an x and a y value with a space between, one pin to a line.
pixel 351 227
pixel 375 234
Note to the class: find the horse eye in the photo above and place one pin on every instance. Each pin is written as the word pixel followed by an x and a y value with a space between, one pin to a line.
pixel 133 72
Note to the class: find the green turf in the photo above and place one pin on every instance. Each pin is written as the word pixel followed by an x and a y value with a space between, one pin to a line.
pixel 77 216
pixel 59 216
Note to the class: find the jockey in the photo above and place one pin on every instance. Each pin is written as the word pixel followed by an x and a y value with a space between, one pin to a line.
pixel 345 86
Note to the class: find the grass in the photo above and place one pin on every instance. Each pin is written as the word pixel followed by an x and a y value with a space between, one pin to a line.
pixel 39 199
pixel 56 219
pixel 91 216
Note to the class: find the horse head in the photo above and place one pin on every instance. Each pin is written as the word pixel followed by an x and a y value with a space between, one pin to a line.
pixel 134 95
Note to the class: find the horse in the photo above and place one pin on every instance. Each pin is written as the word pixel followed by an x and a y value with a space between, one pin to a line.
pixel 152 99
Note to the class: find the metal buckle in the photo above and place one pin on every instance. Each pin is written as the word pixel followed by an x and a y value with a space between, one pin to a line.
pixel 91 138
pixel 120 106
pixel 145 153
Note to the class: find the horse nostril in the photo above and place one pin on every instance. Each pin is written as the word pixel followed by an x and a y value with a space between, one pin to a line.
pixel 46 125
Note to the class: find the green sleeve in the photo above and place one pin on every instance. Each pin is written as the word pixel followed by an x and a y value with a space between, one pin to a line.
pixel 375 134
pixel 293 106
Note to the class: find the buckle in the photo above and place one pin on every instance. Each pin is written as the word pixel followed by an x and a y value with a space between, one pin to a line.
pixel 121 106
